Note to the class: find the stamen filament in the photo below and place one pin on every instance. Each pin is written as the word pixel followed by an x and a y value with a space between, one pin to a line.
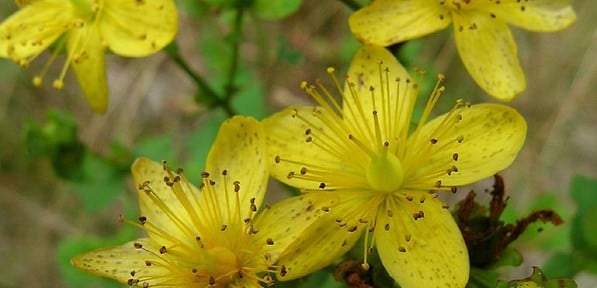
pixel 170 214
pixel 379 144
pixel 435 95
pixel 360 125
pixel 361 145
pixel 387 103
pixel 413 93
pixel 342 93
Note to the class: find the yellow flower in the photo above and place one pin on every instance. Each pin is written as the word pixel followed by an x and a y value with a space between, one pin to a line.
pixel 358 163
pixel 199 236
pixel 483 39
pixel 85 28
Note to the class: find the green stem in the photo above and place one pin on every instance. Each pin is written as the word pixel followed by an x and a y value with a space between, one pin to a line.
pixel 236 39
pixel 212 97
pixel 352 4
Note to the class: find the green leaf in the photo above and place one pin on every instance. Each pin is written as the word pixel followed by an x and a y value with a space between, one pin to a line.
pixel 547 235
pixel 509 257
pixel 99 183
pixel 60 128
pixel 408 52
pixel 560 283
pixel 36 142
pixel 43 139
pixel 591 266
pixel 194 8
pixel 121 157
pixel 274 9
pixel 324 279
pixel 250 99
pixel 157 148
pixel 347 48
pixel 587 226
pixel 57 139
pixel 561 265
pixel 215 51
pixel 510 215
pixel 198 144
pixel 220 4
pixel 67 160
pixel 480 278
pixel 583 191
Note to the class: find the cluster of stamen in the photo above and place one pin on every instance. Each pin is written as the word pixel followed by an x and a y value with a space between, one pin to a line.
pixel 380 148
pixel 218 248
pixel 375 142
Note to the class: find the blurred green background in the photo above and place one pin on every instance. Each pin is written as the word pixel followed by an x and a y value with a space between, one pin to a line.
pixel 64 171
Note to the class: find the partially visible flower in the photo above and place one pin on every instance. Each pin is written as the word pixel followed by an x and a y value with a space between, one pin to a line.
pixel 483 38
pixel 85 28
pixel 199 237
pixel 537 280
pixel 367 172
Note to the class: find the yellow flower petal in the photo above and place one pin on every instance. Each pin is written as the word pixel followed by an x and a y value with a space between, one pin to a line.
pixel 138 28
pixel 288 139
pixel 285 221
pixel 490 134
pixel 393 110
pixel 489 53
pixel 118 262
pixel 426 252
pixel 386 22
pixel 32 29
pixel 324 240
pixel 86 55
pixel 238 152
pixel 23 3
pixel 166 211
pixel 537 15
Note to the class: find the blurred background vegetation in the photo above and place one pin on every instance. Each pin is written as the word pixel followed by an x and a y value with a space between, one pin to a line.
pixel 64 171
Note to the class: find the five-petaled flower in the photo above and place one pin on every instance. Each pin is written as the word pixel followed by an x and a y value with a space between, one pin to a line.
pixel 483 39
pixel 199 237
pixel 366 171
pixel 85 28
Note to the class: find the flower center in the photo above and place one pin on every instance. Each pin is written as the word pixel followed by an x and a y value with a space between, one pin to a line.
pixel 224 263
pixel 385 173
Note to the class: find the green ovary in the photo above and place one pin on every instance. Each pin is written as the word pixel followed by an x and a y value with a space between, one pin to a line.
pixel 85 8
pixel 385 173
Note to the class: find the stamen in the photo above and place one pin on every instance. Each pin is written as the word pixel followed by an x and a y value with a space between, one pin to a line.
pixel 411 91
pixel 435 95
pixel 361 125
pixel 73 55
pixel 385 99
pixel 361 145
pixel 379 144
pixel 167 211
pixel 327 141
pixel 182 196
pixel 312 91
